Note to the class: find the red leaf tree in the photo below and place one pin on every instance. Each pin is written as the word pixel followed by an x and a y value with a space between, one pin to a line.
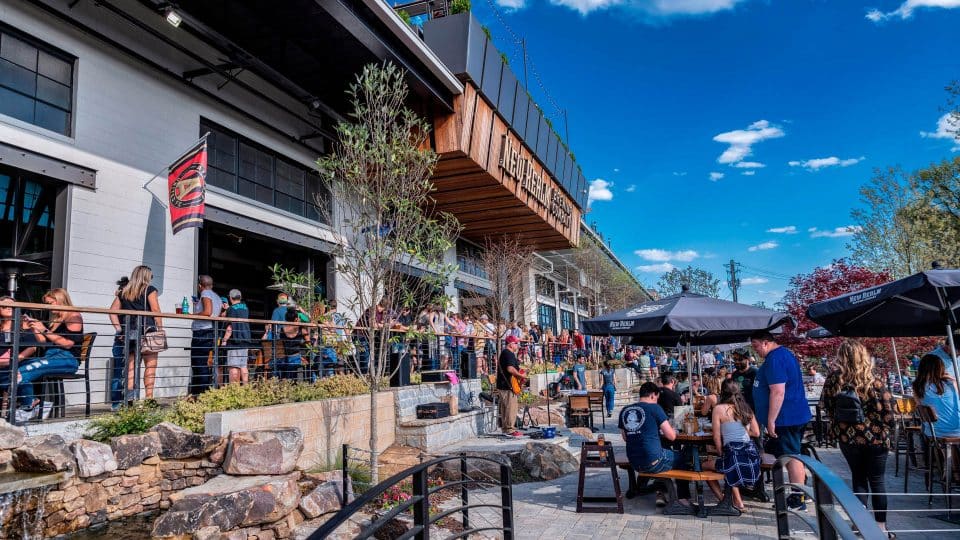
pixel 826 282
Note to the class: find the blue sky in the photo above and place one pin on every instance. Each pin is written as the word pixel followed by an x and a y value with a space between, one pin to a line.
pixel 793 102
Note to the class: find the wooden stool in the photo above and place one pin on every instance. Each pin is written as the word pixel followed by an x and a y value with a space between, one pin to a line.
pixel 593 455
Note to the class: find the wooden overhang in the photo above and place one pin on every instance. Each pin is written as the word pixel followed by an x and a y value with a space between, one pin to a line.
pixel 492 183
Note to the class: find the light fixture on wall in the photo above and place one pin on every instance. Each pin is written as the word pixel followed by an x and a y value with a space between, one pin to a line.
pixel 173 18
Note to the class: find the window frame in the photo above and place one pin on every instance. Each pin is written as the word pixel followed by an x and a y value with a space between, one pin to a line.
pixel 311 178
pixel 42 47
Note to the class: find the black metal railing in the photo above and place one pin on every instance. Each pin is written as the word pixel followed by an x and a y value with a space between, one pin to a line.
pixel 829 495
pixel 419 502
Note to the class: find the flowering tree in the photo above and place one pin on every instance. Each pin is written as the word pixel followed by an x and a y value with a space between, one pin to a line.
pixel 826 282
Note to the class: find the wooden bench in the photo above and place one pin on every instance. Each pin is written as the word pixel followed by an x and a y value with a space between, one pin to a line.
pixel 673 475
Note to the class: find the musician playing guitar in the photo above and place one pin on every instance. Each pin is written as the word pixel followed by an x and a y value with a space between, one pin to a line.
pixel 509 378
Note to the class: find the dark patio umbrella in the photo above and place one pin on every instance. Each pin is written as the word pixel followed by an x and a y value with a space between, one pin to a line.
pixel 686 318
pixel 819 333
pixel 924 304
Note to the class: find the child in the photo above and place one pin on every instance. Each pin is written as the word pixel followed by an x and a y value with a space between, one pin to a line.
pixel 733 426
pixel 240 333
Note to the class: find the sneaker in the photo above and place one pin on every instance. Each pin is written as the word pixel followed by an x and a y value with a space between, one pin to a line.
pixel 661 500
pixel 795 501
pixel 609 415
pixel 25 415
pixel 515 434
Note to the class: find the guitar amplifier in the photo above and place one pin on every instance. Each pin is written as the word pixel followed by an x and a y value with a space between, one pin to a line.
pixel 435 376
pixel 433 410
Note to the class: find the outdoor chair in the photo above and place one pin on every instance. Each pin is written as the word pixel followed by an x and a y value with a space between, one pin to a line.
pixel 579 413
pixel 596 406
pixel 939 452
pixel 53 385
pixel 906 417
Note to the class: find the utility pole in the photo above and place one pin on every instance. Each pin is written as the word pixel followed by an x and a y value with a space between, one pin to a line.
pixel 734 281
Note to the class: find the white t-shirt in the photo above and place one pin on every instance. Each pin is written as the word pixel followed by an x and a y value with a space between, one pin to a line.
pixel 217 304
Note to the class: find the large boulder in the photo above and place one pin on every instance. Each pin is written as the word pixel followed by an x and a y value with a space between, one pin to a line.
pixel 179 443
pixel 481 470
pixel 539 416
pixel 228 502
pixel 11 436
pixel 43 453
pixel 266 451
pixel 93 458
pixel 547 461
pixel 324 499
pixel 331 477
pixel 131 450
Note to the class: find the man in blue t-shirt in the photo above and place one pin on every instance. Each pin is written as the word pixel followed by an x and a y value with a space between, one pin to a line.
pixel 641 425
pixel 781 404
pixel 580 373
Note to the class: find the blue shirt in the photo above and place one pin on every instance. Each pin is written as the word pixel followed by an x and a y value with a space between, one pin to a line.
pixel 781 367
pixel 640 423
pixel 946 406
pixel 580 372
pixel 608 378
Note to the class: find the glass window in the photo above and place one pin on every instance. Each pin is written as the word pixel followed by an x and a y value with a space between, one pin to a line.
pixel 242 166
pixel 566 320
pixel 547 317
pixel 36 82
pixel 545 287
pixel 470 260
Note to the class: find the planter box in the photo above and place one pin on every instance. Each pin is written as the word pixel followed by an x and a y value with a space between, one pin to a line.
pixel 326 425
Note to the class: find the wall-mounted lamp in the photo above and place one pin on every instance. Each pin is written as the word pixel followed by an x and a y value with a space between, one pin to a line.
pixel 174 18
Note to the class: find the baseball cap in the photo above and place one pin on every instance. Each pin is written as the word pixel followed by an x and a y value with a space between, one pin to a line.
pixel 235 294
pixel 282 299
pixel 512 339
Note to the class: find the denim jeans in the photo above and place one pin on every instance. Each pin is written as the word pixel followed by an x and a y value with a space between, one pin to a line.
pixel 609 395
pixel 668 460
pixel 54 362
pixel 118 373
pixel 201 377
pixel 287 367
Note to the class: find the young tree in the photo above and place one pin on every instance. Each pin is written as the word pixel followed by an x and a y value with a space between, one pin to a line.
pixel 826 282
pixel 699 280
pixel 506 260
pixel 378 202
pixel 612 287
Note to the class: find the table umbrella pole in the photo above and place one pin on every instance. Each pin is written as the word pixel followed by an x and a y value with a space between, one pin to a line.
pixel 953 349
pixel 896 361
pixel 689 370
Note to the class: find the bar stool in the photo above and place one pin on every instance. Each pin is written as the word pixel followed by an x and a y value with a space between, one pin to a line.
pixel 905 408
pixel 940 452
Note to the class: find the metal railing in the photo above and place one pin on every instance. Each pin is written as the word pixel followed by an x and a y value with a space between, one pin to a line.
pixel 829 495
pixel 191 366
pixel 419 502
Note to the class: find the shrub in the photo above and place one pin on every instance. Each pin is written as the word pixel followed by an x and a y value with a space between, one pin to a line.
pixel 189 413
pixel 404 16
pixel 135 419
pixel 459 6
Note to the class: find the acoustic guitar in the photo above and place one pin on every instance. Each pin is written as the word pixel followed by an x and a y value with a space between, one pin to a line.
pixel 517 383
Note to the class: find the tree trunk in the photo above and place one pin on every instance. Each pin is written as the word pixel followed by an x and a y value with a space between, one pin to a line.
pixel 374 455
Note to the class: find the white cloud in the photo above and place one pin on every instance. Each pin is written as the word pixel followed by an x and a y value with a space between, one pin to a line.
pixel 789 229
pixel 658 268
pixel 764 246
pixel 749 173
pixel 838 232
pixel 616 170
pixel 512 4
pixel 819 163
pixel 653 8
pixel 600 191
pixel 714 176
pixel 679 173
pixel 749 165
pixel 631 189
pixel 662 255
pixel 741 142
pixel 754 281
pixel 906 9
pixel 948 127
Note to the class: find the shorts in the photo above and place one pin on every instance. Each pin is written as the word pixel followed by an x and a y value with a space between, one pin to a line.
pixel 237 358
pixel 787 441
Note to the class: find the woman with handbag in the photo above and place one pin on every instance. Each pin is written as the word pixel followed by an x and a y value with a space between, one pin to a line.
pixel 143 332
pixel 860 406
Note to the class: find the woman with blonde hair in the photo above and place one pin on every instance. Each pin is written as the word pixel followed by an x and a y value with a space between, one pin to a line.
pixel 712 386
pixel 60 342
pixel 860 406
pixel 138 295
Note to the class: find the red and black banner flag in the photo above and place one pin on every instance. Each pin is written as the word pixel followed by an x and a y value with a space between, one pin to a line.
pixel 186 182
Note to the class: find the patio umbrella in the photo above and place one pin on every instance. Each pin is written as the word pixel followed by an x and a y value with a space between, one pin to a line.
pixel 686 318
pixel 924 304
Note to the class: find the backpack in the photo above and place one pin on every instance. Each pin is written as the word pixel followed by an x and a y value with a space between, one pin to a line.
pixel 849 409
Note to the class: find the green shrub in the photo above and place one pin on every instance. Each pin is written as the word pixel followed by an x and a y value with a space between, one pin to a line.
pixel 189 413
pixel 135 419
pixel 459 6
pixel 404 15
